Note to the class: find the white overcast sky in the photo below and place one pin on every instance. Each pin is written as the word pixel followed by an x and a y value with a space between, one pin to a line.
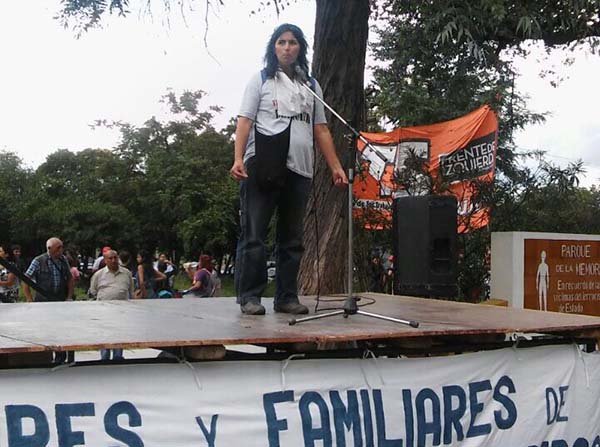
pixel 52 86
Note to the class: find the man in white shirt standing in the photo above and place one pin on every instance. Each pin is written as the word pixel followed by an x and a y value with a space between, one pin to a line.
pixel 98 264
pixel 112 282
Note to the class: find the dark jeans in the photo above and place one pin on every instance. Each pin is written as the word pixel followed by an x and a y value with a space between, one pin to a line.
pixel 61 357
pixel 256 210
pixel 117 354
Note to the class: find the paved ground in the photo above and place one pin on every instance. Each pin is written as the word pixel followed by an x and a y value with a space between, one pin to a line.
pixel 87 356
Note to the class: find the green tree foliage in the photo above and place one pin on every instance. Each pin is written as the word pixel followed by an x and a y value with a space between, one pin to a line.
pixel 441 60
pixel 14 178
pixel 77 197
pixel 341 32
pixel 162 188
pixel 177 172
pixel 444 59
pixel 505 24
pixel 82 15
pixel 85 14
pixel 546 198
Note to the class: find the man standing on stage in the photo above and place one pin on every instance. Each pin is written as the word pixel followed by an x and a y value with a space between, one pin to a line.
pixel 278 123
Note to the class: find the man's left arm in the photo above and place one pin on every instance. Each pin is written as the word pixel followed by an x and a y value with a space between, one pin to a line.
pixel 31 273
pixel 70 281
pixel 93 290
pixel 327 148
pixel 131 285
pixel 70 288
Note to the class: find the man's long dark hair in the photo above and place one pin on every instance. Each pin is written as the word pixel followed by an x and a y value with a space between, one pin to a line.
pixel 271 62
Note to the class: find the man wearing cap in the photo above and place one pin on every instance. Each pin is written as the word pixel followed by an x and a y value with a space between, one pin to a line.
pixel 99 262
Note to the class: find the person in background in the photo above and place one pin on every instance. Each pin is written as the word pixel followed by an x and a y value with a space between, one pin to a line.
pixel 190 269
pixel 216 279
pixel 9 283
pixel 17 257
pixel 112 282
pixel 164 265
pixel 146 276
pixel 388 284
pixel 126 261
pixel 377 274
pixel 99 262
pixel 202 285
pixel 73 263
pixel 52 273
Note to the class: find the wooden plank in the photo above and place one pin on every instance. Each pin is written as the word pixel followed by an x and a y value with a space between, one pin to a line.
pixel 30 327
pixel 10 345
pixel 495 302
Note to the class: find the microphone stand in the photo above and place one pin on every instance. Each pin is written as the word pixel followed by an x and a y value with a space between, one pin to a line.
pixel 350 306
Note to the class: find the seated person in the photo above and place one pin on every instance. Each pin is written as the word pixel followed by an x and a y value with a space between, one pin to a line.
pixel 202 283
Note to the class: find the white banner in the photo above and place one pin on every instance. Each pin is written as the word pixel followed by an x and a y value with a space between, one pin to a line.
pixel 542 397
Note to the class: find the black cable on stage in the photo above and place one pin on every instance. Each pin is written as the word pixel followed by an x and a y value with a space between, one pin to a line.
pixel 317 237
pixel 318 297
pixel 314 210
pixel 317 248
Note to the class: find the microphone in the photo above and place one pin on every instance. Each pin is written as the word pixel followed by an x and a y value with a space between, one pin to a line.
pixel 301 74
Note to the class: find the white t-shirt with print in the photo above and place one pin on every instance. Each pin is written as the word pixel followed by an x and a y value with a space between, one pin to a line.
pixel 259 105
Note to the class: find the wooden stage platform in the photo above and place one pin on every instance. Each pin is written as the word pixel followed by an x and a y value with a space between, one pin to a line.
pixel 87 325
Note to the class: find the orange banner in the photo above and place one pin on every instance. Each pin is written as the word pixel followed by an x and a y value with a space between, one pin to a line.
pixel 562 276
pixel 456 155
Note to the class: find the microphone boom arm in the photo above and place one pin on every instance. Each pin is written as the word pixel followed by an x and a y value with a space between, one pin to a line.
pixel 350 305
pixel 355 132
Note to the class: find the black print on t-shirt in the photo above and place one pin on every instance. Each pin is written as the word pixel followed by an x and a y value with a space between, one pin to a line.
pixel 300 117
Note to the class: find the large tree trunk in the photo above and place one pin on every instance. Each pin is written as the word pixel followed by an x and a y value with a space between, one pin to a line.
pixel 341 33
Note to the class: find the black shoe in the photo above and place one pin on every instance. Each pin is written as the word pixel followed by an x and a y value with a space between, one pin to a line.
pixel 251 308
pixel 291 308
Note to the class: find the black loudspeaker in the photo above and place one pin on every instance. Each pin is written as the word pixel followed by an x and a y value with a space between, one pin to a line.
pixel 425 258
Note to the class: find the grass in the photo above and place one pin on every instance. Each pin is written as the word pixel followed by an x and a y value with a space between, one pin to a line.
pixel 182 282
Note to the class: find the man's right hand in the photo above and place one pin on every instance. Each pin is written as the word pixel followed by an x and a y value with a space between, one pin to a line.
pixel 27 293
pixel 238 171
